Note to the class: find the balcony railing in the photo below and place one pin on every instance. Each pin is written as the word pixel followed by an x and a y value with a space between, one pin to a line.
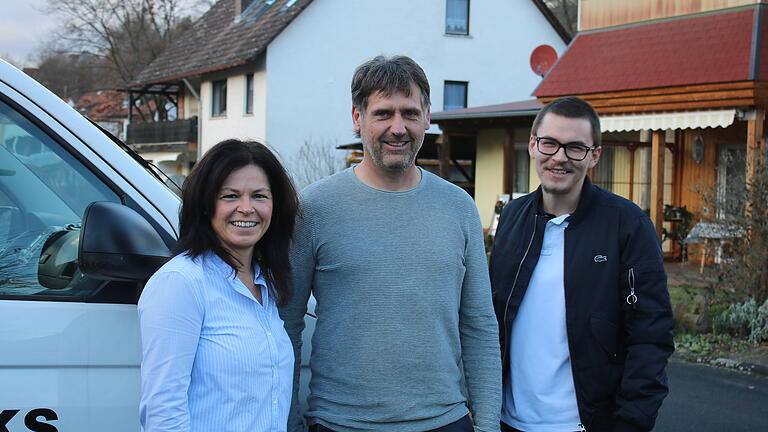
pixel 167 132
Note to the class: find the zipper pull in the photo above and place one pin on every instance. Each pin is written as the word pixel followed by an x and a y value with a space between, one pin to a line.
pixel 581 428
pixel 631 298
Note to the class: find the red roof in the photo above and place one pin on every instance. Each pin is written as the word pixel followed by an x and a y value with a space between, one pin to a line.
pixel 105 105
pixel 710 48
pixel 102 105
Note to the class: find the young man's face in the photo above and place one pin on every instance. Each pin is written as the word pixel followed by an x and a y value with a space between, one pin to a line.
pixel 392 129
pixel 558 174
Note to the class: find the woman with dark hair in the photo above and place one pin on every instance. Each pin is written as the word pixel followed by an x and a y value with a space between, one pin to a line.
pixel 215 354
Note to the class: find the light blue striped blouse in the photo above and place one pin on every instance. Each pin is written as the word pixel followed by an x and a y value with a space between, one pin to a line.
pixel 214 359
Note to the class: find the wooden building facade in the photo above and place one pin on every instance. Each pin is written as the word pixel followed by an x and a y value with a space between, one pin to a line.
pixel 681 88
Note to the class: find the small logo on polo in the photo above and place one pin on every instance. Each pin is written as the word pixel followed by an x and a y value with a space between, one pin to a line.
pixel 600 258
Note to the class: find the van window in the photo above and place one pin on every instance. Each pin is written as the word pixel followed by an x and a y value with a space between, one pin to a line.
pixel 44 191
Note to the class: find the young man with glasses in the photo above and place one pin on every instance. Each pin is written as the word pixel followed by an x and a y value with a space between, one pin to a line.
pixel 580 292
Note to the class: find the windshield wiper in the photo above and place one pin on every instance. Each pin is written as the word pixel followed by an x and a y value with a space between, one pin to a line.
pixel 149 166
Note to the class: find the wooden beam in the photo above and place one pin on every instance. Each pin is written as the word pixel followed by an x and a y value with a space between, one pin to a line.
pixel 652 99
pixel 444 156
pixel 664 90
pixel 658 148
pixel 702 96
pixel 755 148
pixel 510 165
pixel 677 170
pixel 632 149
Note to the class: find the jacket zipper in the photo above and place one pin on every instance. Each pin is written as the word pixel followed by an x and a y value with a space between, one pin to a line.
pixel 631 298
pixel 514 283
pixel 582 428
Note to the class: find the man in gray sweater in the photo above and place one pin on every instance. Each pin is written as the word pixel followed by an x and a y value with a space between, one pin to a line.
pixel 406 339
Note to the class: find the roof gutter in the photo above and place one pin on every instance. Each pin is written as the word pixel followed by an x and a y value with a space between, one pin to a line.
pixel 757 36
pixel 478 115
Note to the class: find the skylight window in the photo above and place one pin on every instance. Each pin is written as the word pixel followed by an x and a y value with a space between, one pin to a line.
pixel 256 9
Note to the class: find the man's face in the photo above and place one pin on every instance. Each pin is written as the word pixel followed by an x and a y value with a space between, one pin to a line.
pixel 558 174
pixel 392 129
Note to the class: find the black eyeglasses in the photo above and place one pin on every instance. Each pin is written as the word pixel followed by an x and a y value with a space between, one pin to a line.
pixel 550 146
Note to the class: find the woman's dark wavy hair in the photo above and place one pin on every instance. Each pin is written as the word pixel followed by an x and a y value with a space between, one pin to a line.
pixel 198 200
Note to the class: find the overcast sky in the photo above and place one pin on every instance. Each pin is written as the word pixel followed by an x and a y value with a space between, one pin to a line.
pixel 23 26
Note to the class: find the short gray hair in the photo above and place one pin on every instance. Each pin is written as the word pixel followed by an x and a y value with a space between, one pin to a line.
pixel 388 75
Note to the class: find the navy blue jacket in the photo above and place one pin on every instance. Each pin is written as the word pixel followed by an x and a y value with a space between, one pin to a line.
pixel 618 347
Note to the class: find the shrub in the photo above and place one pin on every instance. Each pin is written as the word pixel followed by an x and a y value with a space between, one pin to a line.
pixel 745 319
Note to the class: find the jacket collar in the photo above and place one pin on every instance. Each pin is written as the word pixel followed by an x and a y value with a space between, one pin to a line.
pixel 583 208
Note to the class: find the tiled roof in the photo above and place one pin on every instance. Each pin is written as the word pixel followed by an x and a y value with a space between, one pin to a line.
pixel 103 105
pixel 701 49
pixel 107 105
pixel 217 41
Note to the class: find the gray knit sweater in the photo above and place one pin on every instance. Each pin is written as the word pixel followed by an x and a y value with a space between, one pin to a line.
pixel 406 336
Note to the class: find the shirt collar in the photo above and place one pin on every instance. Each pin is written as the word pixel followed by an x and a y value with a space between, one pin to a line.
pixel 219 266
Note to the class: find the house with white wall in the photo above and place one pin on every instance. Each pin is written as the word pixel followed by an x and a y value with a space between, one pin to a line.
pixel 280 70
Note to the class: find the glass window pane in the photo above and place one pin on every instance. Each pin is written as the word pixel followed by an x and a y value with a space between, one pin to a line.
pixel 522 169
pixel 249 94
pixel 44 191
pixel 219 98
pixel 603 172
pixel 457 17
pixel 455 95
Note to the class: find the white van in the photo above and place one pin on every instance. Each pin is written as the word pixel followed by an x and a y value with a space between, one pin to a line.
pixel 83 224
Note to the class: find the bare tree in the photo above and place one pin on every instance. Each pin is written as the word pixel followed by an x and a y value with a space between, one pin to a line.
pixel 742 217
pixel 129 34
pixel 12 60
pixel 315 161
pixel 72 75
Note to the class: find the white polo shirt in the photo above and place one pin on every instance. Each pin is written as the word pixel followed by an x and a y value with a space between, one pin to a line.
pixel 541 397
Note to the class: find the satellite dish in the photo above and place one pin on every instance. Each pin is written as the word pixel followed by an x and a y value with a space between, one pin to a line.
pixel 542 59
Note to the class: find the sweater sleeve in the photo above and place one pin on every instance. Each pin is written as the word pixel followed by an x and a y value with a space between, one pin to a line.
pixel 648 331
pixel 171 318
pixel 303 266
pixel 479 333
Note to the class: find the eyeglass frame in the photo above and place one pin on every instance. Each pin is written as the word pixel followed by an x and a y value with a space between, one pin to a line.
pixel 562 146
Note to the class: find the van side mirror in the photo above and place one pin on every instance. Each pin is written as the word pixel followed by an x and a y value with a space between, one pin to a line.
pixel 57 265
pixel 116 243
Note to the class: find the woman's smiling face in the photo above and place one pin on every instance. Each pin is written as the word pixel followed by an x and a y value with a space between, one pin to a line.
pixel 243 210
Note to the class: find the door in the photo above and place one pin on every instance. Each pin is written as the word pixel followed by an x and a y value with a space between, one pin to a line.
pixel 731 180
pixel 70 350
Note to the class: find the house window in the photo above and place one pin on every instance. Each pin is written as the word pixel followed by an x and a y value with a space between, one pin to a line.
pixel 522 169
pixel 249 94
pixel 455 95
pixel 219 98
pixel 457 17
pixel 603 174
